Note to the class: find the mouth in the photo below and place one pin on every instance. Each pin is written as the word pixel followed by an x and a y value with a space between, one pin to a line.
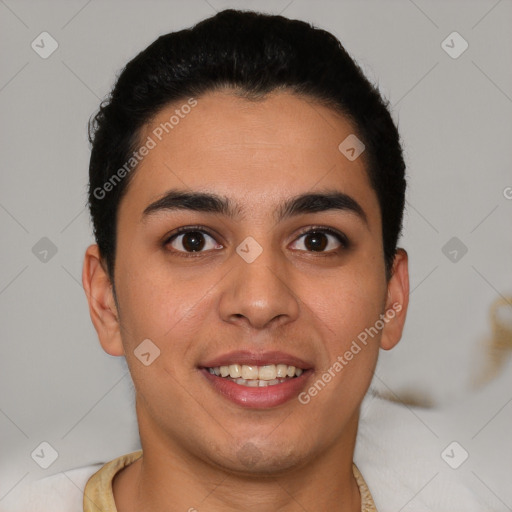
pixel 254 376
pixel 257 380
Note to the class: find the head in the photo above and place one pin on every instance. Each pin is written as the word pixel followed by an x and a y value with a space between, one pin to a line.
pixel 263 138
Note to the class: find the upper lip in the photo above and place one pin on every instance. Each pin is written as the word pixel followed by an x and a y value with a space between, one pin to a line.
pixel 256 359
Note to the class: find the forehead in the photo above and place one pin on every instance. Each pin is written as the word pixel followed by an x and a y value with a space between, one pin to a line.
pixel 251 151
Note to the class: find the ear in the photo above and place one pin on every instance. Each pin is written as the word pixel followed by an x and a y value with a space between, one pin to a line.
pixel 102 306
pixel 397 301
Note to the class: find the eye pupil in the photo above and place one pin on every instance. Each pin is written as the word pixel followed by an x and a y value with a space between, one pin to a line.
pixel 193 241
pixel 316 241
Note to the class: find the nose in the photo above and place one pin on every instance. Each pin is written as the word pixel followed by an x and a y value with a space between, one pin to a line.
pixel 260 293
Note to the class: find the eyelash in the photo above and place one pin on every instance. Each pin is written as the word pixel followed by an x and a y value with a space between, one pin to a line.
pixel 341 238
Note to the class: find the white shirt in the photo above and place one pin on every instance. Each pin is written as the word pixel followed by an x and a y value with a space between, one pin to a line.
pixel 405 454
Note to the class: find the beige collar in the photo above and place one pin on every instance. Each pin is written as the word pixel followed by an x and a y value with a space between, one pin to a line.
pixel 98 495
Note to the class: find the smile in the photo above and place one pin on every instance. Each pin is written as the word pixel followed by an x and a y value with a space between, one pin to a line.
pixel 257 376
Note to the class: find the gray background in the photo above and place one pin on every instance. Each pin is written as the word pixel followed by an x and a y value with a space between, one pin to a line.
pixel 455 118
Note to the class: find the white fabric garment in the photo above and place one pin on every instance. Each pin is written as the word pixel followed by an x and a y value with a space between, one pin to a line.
pixel 398 451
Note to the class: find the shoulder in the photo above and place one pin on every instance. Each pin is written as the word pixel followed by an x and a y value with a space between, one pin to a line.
pixel 62 492
pixel 409 460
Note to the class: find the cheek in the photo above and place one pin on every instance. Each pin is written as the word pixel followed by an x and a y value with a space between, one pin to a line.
pixel 164 309
pixel 348 303
pixel 343 312
pixel 153 303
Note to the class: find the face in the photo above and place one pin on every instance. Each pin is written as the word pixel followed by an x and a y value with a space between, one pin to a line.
pixel 271 265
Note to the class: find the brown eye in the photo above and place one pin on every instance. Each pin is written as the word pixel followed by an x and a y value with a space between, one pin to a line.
pixel 321 240
pixel 316 241
pixel 192 241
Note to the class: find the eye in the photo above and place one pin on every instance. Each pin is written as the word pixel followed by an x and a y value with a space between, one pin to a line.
pixel 192 240
pixel 321 240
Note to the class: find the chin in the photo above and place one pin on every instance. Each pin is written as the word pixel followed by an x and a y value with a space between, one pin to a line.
pixel 260 458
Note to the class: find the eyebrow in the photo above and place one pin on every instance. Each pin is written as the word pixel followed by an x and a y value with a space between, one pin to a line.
pixel 212 203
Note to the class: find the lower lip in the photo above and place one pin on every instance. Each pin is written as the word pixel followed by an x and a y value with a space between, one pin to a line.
pixel 258 397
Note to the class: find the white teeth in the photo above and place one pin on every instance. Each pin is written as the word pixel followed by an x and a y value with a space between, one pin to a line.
pixel 281 370
pixel 256 383
pixel 257 376
pixel 249 372
pixel 235 371
pixel 267 372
